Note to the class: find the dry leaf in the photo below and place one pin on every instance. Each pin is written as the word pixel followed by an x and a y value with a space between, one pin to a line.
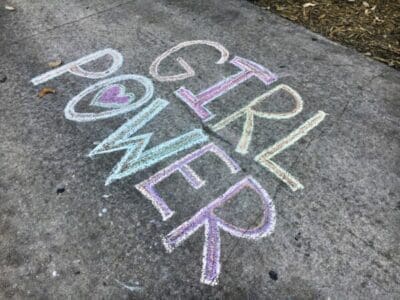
pixel 9 7
pixel 308 4
pixel 55 63
pixel 365 3
pixel 46 90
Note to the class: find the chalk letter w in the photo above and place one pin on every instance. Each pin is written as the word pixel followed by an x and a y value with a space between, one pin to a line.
pixel 135 158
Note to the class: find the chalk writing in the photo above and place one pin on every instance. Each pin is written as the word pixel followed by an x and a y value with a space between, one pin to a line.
pixel 113 96
pixel 213 224
pixel 189 72
pixel 248 69
pixel 135 158
pixel 264 158
pixel 249 112
pixel 147 187
pixel 105 85
pixel 75 67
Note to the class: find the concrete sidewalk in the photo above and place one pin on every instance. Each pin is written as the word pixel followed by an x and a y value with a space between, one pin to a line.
pixel 97 198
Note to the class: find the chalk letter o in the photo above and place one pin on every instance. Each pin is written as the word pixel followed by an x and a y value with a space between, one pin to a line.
pixel 73 115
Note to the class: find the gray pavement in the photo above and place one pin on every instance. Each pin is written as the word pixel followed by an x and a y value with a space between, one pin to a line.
pixel 335 189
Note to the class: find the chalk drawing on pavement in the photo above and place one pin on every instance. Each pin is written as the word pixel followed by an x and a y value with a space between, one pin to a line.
pixel 113 96
pixel 75 67
pixel 248 69
pixel 213 224
pixel 189 72
pixel 249 112
pixel 72 114
pixel 146 187
pixel 264 158
pixel 136 158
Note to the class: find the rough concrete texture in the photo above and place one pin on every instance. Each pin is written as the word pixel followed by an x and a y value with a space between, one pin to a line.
pixel 64 234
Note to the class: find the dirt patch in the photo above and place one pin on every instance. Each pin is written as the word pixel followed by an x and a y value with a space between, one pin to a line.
pixel 372 27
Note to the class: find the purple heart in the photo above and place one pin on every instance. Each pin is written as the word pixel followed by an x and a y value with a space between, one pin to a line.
pixel 114 94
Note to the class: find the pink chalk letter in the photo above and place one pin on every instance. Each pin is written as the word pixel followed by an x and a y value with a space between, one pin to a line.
pixel 147 187
pixel 248 70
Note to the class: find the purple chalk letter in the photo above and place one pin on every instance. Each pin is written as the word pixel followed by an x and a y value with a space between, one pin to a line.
pixel 146 187
pixel 212 223
pixel 248 69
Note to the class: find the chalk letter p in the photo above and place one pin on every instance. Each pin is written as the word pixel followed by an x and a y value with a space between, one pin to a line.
pixel 75 67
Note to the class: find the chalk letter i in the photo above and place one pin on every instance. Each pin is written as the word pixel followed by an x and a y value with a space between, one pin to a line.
pixel 248 69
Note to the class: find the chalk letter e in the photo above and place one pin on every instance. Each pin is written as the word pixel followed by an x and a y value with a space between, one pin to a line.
pixel 146 187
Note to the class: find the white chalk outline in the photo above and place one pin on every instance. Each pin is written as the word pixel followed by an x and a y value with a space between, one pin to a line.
pixel 264 158
pixel 153 70
pixel 247 132
pixel 71 114
pixel 75 67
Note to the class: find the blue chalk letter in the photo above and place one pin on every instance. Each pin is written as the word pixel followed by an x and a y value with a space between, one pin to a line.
pixel 135 158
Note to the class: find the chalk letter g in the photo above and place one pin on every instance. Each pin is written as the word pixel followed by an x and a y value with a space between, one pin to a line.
pixel 189 70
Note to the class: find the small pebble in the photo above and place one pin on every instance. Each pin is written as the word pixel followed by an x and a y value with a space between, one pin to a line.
pixel 55 63
pixel 9 7
pixel 104 210
pixel 273 275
